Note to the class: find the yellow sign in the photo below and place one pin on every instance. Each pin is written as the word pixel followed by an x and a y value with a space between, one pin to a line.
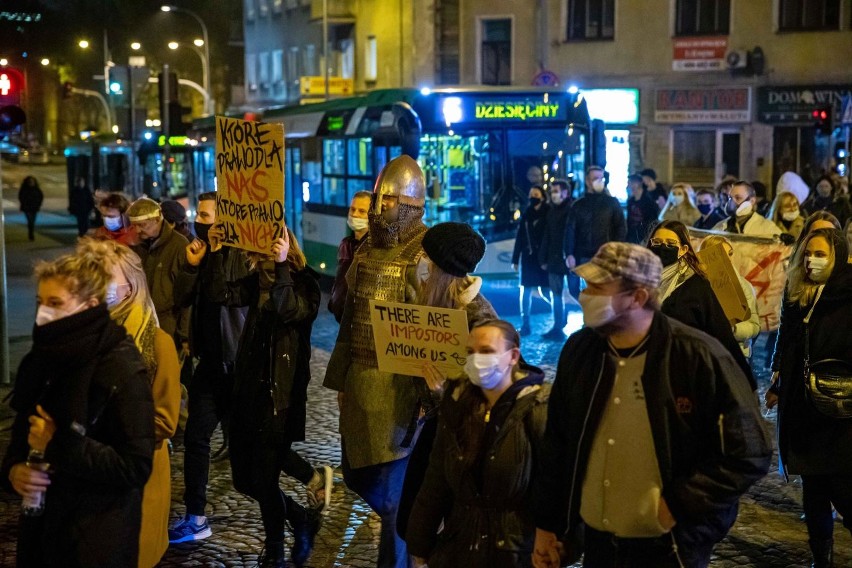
pixel 250 180
pixel 518 111
pixel 316 86
pixel 408 335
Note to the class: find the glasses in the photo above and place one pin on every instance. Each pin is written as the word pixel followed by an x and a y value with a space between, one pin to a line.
pixel 664 243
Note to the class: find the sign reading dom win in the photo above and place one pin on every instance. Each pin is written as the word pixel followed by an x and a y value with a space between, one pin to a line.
pixel 407 336
pixel 250 180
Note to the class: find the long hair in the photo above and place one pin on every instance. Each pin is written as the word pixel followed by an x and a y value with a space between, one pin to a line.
pixel 809 222
pixel 688 199
pixel 443 290
pixel 779 203
pixel 116 255
pixel 800 288
pixel 472 400
pixel 682 233
pixel 295 256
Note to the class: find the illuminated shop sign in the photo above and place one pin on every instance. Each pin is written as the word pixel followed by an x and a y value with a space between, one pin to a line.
pixel 613 106
pixel 460 109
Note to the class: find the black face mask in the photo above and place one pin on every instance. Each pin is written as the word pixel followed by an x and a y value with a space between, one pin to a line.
pixel 667 254
pixel 201 230
pixel 705 208
pixel 534 201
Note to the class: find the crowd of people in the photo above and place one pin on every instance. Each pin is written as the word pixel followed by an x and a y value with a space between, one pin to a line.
pixel 635 454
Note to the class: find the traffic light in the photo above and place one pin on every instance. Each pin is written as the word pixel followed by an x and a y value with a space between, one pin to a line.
pixel 11 117
pixel 169 103
pixel 11 85
pixel 822 118
pixel 119 85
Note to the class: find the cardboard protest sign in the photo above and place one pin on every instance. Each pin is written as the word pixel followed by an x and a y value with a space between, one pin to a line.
pixel 725 283
pixel 407 336
pixel 250 183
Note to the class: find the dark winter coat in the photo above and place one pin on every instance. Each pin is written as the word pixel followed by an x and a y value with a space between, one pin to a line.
pixel 641 215
pixel 808 442
pixel 527 244
pixel 216 328
pixel 85 369
pixel 551 254
pixel 30 197
pixel 81 201
pixel 484 501
pixel 345 254
pixel 715 217
pixel 709 437
pixel 695 304
pixel 837 206
pixel 595 219
pixel 170 285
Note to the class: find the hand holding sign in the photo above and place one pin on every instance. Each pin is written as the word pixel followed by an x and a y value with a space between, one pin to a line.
pixel 215 236
pixel 281 248
pixel 434 378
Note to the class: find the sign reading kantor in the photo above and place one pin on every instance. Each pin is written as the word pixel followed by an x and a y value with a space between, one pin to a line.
pixel 407 336
pixel 250 179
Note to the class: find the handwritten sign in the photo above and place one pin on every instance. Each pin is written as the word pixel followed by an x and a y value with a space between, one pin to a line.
pixel 725 283
pixel 250 179
pixel 408 335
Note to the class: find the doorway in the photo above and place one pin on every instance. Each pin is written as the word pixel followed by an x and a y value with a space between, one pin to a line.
pixel 702 158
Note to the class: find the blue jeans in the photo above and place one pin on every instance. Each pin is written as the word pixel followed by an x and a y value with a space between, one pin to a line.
pixel 380 486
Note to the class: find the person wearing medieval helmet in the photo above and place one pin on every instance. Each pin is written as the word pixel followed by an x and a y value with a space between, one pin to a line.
pixel 379 411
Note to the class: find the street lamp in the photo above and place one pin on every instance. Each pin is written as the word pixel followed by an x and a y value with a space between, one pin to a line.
pixel 84 44
pixel 205 39
pixel 45 61
pixel 4 62
pixel 135 46
pixel 173 45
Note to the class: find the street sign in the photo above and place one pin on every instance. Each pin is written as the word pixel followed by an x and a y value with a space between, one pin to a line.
pixel 846 111
pixel 316 86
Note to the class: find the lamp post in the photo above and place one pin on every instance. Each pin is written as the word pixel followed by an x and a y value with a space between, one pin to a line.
pixel 205 71
pixel 205 37
pixel 84 44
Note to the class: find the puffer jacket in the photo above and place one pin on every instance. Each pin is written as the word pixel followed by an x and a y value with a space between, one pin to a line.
pixel 484 502
pixel 595 219
pixel 708 432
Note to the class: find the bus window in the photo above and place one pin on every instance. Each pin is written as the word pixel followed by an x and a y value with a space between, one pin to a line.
pixel 334 192
pixel 311 171
pixel 354 185
pixel 360 152
pixel 334 157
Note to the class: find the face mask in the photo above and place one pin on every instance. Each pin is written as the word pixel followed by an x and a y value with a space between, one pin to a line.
pixel 668 255
pixel 483 369
pixel 705 208
pixel 790 215
pixel 357 223
pixel 598 185
pixel 113 223
pixel 46 314
pixel 534 201
pixel 745 209
pixel 677 199
pixel 201 230
pixel 816 268
pixel 597 310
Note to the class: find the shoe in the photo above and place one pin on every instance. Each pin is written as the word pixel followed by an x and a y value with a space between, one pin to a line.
pixel 554 333
pixel 319 488
pixel 524 330
pixel 185 530
pixel 269 560
pixel 304 533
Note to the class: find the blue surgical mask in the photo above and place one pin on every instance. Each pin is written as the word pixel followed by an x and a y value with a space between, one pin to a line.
pixel 484 369
pixel 113 223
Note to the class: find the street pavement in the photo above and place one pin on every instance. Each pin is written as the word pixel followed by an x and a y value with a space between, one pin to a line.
pixel 768 532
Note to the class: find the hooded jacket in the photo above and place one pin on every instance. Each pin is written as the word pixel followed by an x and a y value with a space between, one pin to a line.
pixel 483 501
pixel 808 442
pixel 708 432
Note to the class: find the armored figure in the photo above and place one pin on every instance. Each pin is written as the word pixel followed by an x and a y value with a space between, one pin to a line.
pixel 379 411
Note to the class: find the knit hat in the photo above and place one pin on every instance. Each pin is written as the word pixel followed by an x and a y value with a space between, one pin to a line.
pixel 143 209
pixel 791 182
pixel 622 260
pixel 455 248
pixel 173 212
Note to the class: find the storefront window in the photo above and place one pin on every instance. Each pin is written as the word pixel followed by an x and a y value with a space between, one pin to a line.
pixel 694 157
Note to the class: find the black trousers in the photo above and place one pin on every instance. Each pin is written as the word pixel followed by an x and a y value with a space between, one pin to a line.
pixel 31 218
pixel 574 280
pixel 819 493
pixel 605 550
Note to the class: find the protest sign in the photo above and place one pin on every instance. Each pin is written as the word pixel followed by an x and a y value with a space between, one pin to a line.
pixel 250 183
pixel 725 283
pixel 407 336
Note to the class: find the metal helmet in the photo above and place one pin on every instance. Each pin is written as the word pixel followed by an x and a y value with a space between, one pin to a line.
pixel 401 178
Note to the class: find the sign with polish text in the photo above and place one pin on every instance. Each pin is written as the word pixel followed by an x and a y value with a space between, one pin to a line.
pixel 699 53
pixel 409 335
pixel 703 105
pixel 250 183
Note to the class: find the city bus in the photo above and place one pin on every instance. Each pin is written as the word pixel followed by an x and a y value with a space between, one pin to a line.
pixel 480 149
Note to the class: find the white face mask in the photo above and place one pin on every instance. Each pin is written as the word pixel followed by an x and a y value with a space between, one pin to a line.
pixel 816 268
pixel 677 199
pixel 46 314
pixel 790 215
pixel 484 369
pixel 598 185
pixel 357 223
pixel 745 209
pixel 112 223
pixel 597 310
pixel 112 298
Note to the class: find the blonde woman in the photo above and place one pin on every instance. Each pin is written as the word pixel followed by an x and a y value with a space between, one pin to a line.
pixel 130 306
pixel 680 205
pixel 787 215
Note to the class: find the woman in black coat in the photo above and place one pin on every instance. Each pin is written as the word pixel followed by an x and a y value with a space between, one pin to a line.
pixel 685 292
pixel 84 390
pixel 30 197
pixel 270 391
pixel 811 444
pixel 527 244
pixel 478 486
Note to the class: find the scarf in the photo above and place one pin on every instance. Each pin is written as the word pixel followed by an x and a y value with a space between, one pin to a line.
pixel 673 276
pixel 141 326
